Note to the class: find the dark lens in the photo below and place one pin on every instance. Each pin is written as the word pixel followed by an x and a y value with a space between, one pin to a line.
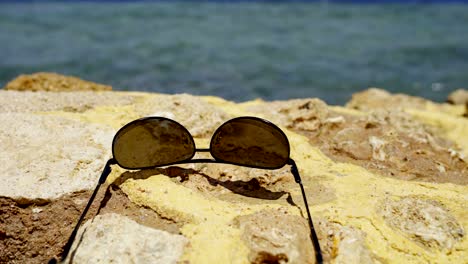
pixel 151 142
pixel 250 142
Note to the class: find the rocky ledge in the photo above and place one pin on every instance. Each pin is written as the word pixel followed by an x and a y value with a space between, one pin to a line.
pixel 386 178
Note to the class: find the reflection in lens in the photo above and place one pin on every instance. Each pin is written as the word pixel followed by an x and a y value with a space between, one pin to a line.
pixel 152 142
pixel 251 142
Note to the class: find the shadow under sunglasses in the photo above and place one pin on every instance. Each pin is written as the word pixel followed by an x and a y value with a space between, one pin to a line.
pixel 157 141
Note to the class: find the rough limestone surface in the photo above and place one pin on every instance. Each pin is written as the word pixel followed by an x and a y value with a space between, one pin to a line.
pixel 379 98
pixel 424 221
pixel 53 82
pixel 133 243
pixel 73 102
pixel 275 236
pixel 459 96
pixel 375 98
pixel 389 142
pixel 200 118
pixel 299 114
pixel 348 244
pixel 44 157
pixel 448 120
pixel 368 203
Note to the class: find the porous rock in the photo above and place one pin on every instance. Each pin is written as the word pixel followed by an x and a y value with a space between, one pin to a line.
pixel 273 236
pixel 112 238
pixel 35 232
pixel 198 116
pixel 392 143
pixel 201 201
pixel 299 114
pixel 44 157
pixel 395 145
pixel 344 244
pixel 277 180
pixel 53 82
pixel 459 96
pixel 375 98
pixel 426 222
pixel 79 102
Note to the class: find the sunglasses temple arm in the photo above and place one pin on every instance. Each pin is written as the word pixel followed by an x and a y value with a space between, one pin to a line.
pixel 107 170
pixel 313 235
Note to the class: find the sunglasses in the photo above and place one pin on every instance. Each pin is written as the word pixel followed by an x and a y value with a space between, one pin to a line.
pixel 157 141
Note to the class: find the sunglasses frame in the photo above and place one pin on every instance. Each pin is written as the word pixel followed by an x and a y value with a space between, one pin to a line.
pixel 107 170
pixel 195 149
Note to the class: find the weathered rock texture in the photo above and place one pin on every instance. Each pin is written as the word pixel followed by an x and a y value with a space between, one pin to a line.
pixel 424 221
pixel 44 157
pixel 274 236
pixel 200 118
pixel 133 243
pixel 46 81
pixel 459 96
pixel 73 102
pixel 386 181
pixel 377 98
pixel 388 142
pixel 33 232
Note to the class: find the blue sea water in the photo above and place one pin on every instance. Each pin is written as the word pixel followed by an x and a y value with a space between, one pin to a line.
pixel 242 51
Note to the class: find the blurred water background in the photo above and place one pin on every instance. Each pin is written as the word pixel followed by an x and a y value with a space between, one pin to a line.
pixel 242 51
